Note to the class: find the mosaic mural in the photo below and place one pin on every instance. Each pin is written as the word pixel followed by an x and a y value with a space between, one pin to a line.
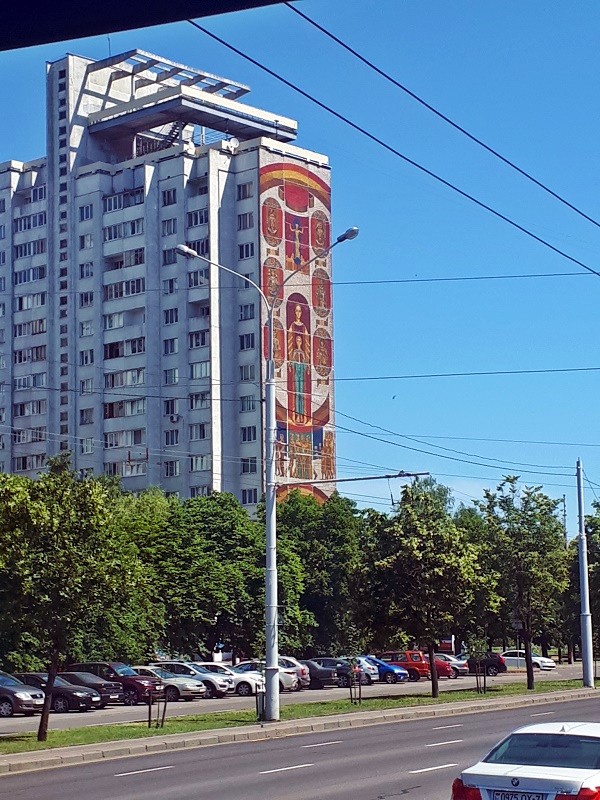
pixel 295 228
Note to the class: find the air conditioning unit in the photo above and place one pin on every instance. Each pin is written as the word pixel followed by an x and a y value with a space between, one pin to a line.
pixel 174 417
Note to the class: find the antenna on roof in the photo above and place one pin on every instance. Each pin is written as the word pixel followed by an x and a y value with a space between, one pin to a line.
pixel 109 50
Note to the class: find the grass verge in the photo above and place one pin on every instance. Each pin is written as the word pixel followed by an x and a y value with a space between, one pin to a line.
pixel 20 743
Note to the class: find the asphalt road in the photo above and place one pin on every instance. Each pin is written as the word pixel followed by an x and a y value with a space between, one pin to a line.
pixel 417 760
pixel 116 714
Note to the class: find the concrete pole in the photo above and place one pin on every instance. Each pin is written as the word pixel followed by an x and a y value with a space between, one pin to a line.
pixel 587 649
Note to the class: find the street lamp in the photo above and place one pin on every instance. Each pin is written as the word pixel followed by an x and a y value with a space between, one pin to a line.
pixel 271 609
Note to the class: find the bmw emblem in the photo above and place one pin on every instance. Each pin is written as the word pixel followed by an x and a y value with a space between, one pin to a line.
pixel 514 781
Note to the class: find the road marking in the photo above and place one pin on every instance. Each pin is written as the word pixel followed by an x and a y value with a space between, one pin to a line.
pixel 543 714
pixel 443 727
pixel 441 744
pixel 322 744
pixel 431 769
pixel 139 771
pixel 285 769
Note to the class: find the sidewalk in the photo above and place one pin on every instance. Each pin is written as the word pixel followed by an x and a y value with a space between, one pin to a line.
pixel 67 756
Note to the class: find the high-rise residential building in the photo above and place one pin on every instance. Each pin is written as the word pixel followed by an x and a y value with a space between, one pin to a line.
pixel 142 363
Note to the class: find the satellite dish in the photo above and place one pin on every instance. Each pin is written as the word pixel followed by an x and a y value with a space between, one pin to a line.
pixel 233 143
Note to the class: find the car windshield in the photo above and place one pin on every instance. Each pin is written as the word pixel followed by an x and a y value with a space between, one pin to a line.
pixel 163 673
pixel 125 671
pixel 547 750
pixel 199 669
pixel 8 680
pixel 376 662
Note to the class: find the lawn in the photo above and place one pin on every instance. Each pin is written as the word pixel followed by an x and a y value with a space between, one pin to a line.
pixel 19 743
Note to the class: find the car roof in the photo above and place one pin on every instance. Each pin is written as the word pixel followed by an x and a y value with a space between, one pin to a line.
pixel 568 728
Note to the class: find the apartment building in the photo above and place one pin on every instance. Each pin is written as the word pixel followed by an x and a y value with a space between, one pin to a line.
pixel 139 362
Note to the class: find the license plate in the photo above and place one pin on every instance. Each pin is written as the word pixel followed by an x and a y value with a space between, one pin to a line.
pixel 511 795
pixel 113 697
pixel 37 701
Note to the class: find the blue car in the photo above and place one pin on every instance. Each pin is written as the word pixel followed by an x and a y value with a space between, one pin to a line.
pixel 388 673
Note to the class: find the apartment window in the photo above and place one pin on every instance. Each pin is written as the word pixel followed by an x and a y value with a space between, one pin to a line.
pixel 86 270
pixel 62 173
pixel 199 463
pixel 113 321
pixel 34 248
pixel 198 217
pixel 86 328
pixel 247 341
pixel 248 402
pixel 169 256
pixel 86 357
pixel 247 311
pixel 169 197
pixel 245 190
pixel 246 250
pixel 199 491
pixel 30 221
pixel 2 205
pixel 201 369
pixel 169 226
pixel 86 386
pixel 115 202
pixel 171 437
pixel 170 346
pixel 86 211
pixel 200 246
pixel 2 231
pixel 62 114
pixel 198 431
pixel 86 446
pixel 171 316
pixel 249 497
pixel 171 376
pixel 245 221
pixel 248 372
pixel 127 377
pixel 248 465
pixel 198 277
pixel 170 407
pixel 171 469
pixel 198 339
pixel 170 286
pixel 62 142
pixel 38 193
pixel 199 400
pixel 86 240
pixel 86 299
pixel 202 186
pixel 86 416
pixel 248 433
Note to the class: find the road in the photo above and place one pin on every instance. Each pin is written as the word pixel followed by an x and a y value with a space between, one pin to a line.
pixel 417 760
pixel 116 714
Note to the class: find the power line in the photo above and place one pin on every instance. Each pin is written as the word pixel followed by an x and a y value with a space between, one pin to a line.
pixel 442 116
pixel 395 151
pixel 473 373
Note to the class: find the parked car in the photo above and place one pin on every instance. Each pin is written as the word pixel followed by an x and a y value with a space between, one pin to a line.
pixel 459 666
pixel 413 662
pixel 215 685
pixel 320 677
pixel 388 673
pixel 491 663
pixel 65 696
pixel 135 688
pixel 444 670
pixel 288 662
pixel 109 691
pixel 288 679
pixel 370 671
pixel 516 658
pixel 177 687
pixel 244 683
pixel 559 760
pixel 18 698
pixel 343 668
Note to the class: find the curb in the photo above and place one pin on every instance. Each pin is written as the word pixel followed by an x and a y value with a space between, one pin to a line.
pixel 79 754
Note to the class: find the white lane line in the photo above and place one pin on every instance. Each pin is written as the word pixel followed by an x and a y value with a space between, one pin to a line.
pixel 285 769
pixel 322 744
pixel 543 714
pixel 139 771
pixel 441 744
pixel 431 769
pixel 444 727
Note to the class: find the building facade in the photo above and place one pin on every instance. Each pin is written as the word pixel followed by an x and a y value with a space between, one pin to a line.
pixel 139 362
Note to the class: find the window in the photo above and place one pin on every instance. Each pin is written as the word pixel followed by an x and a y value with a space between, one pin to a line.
pixel 248 433
pixel 244 190
pixel 29 221
pixel 127 377
pixel 249 497
pixel 171 376
pixel 199 463
pixel 248 372
pixel 115 202
pixel 2 258
pixel 86 240
pixel 29 408
pixel 86 357
pixel 86 299
pixel 171 437
pixel 171 316
pixel 26 301
pixel 86 386
pixel 86 446
pixel 248 465
pixel 198 431
pixel 124 408
pixel 245 221
pixel 170 407
pixel 38 193
pixel 246 250
pixel 199 400
pixel 200 369
pixel 124 288
pixel 2 205
pixel 31 328
pixel 28 275
pixel 171 469
pixel 198 217
pixel 247 311
pixel 170 346
pixel 200 246
pixel 86 270
pixel 86 328
pixel 247 341
pixel 85 212
pixel 113 321
pixel 198 339
pixel 169 197
pixel 169 256
pixel 169 226
pixel 30 248
pixel 86 416
pixel 197 278
pixel 170 286
pixel 248 402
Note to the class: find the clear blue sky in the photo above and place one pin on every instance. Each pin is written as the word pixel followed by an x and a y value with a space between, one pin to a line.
pixel 522 76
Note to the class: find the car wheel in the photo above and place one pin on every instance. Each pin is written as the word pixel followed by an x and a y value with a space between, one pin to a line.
pixel 413 675
pixel 6 708
pixel 281 687
pixel 536 666
pixel 343 681
pixel 130 697
pixel 29 713
pixel 243 689
pixel 60 704
pixel 453 673
pixel 492 671
pixel 390 677
pixel 368 680
pixel 210 690
pixel 298 686
pixel 172 694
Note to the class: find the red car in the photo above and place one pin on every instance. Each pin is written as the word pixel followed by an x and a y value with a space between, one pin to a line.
pixel 444 670
pixel 413 661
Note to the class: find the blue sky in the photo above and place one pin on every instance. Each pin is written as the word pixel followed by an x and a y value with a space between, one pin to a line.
pixel 525 78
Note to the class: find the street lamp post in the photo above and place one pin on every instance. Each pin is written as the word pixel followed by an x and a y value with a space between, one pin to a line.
pixel 271 605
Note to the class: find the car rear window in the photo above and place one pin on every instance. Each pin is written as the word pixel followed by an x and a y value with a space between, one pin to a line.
pixel 547 750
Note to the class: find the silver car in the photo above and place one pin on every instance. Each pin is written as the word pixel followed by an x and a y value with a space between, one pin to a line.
pixel 177 687
pixel 216 685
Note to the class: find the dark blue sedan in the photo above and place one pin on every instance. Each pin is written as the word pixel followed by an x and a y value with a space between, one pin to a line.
pixel 388 673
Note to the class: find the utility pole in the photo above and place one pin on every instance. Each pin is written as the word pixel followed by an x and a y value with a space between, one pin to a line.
pixel 564 502
pixel 587 654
